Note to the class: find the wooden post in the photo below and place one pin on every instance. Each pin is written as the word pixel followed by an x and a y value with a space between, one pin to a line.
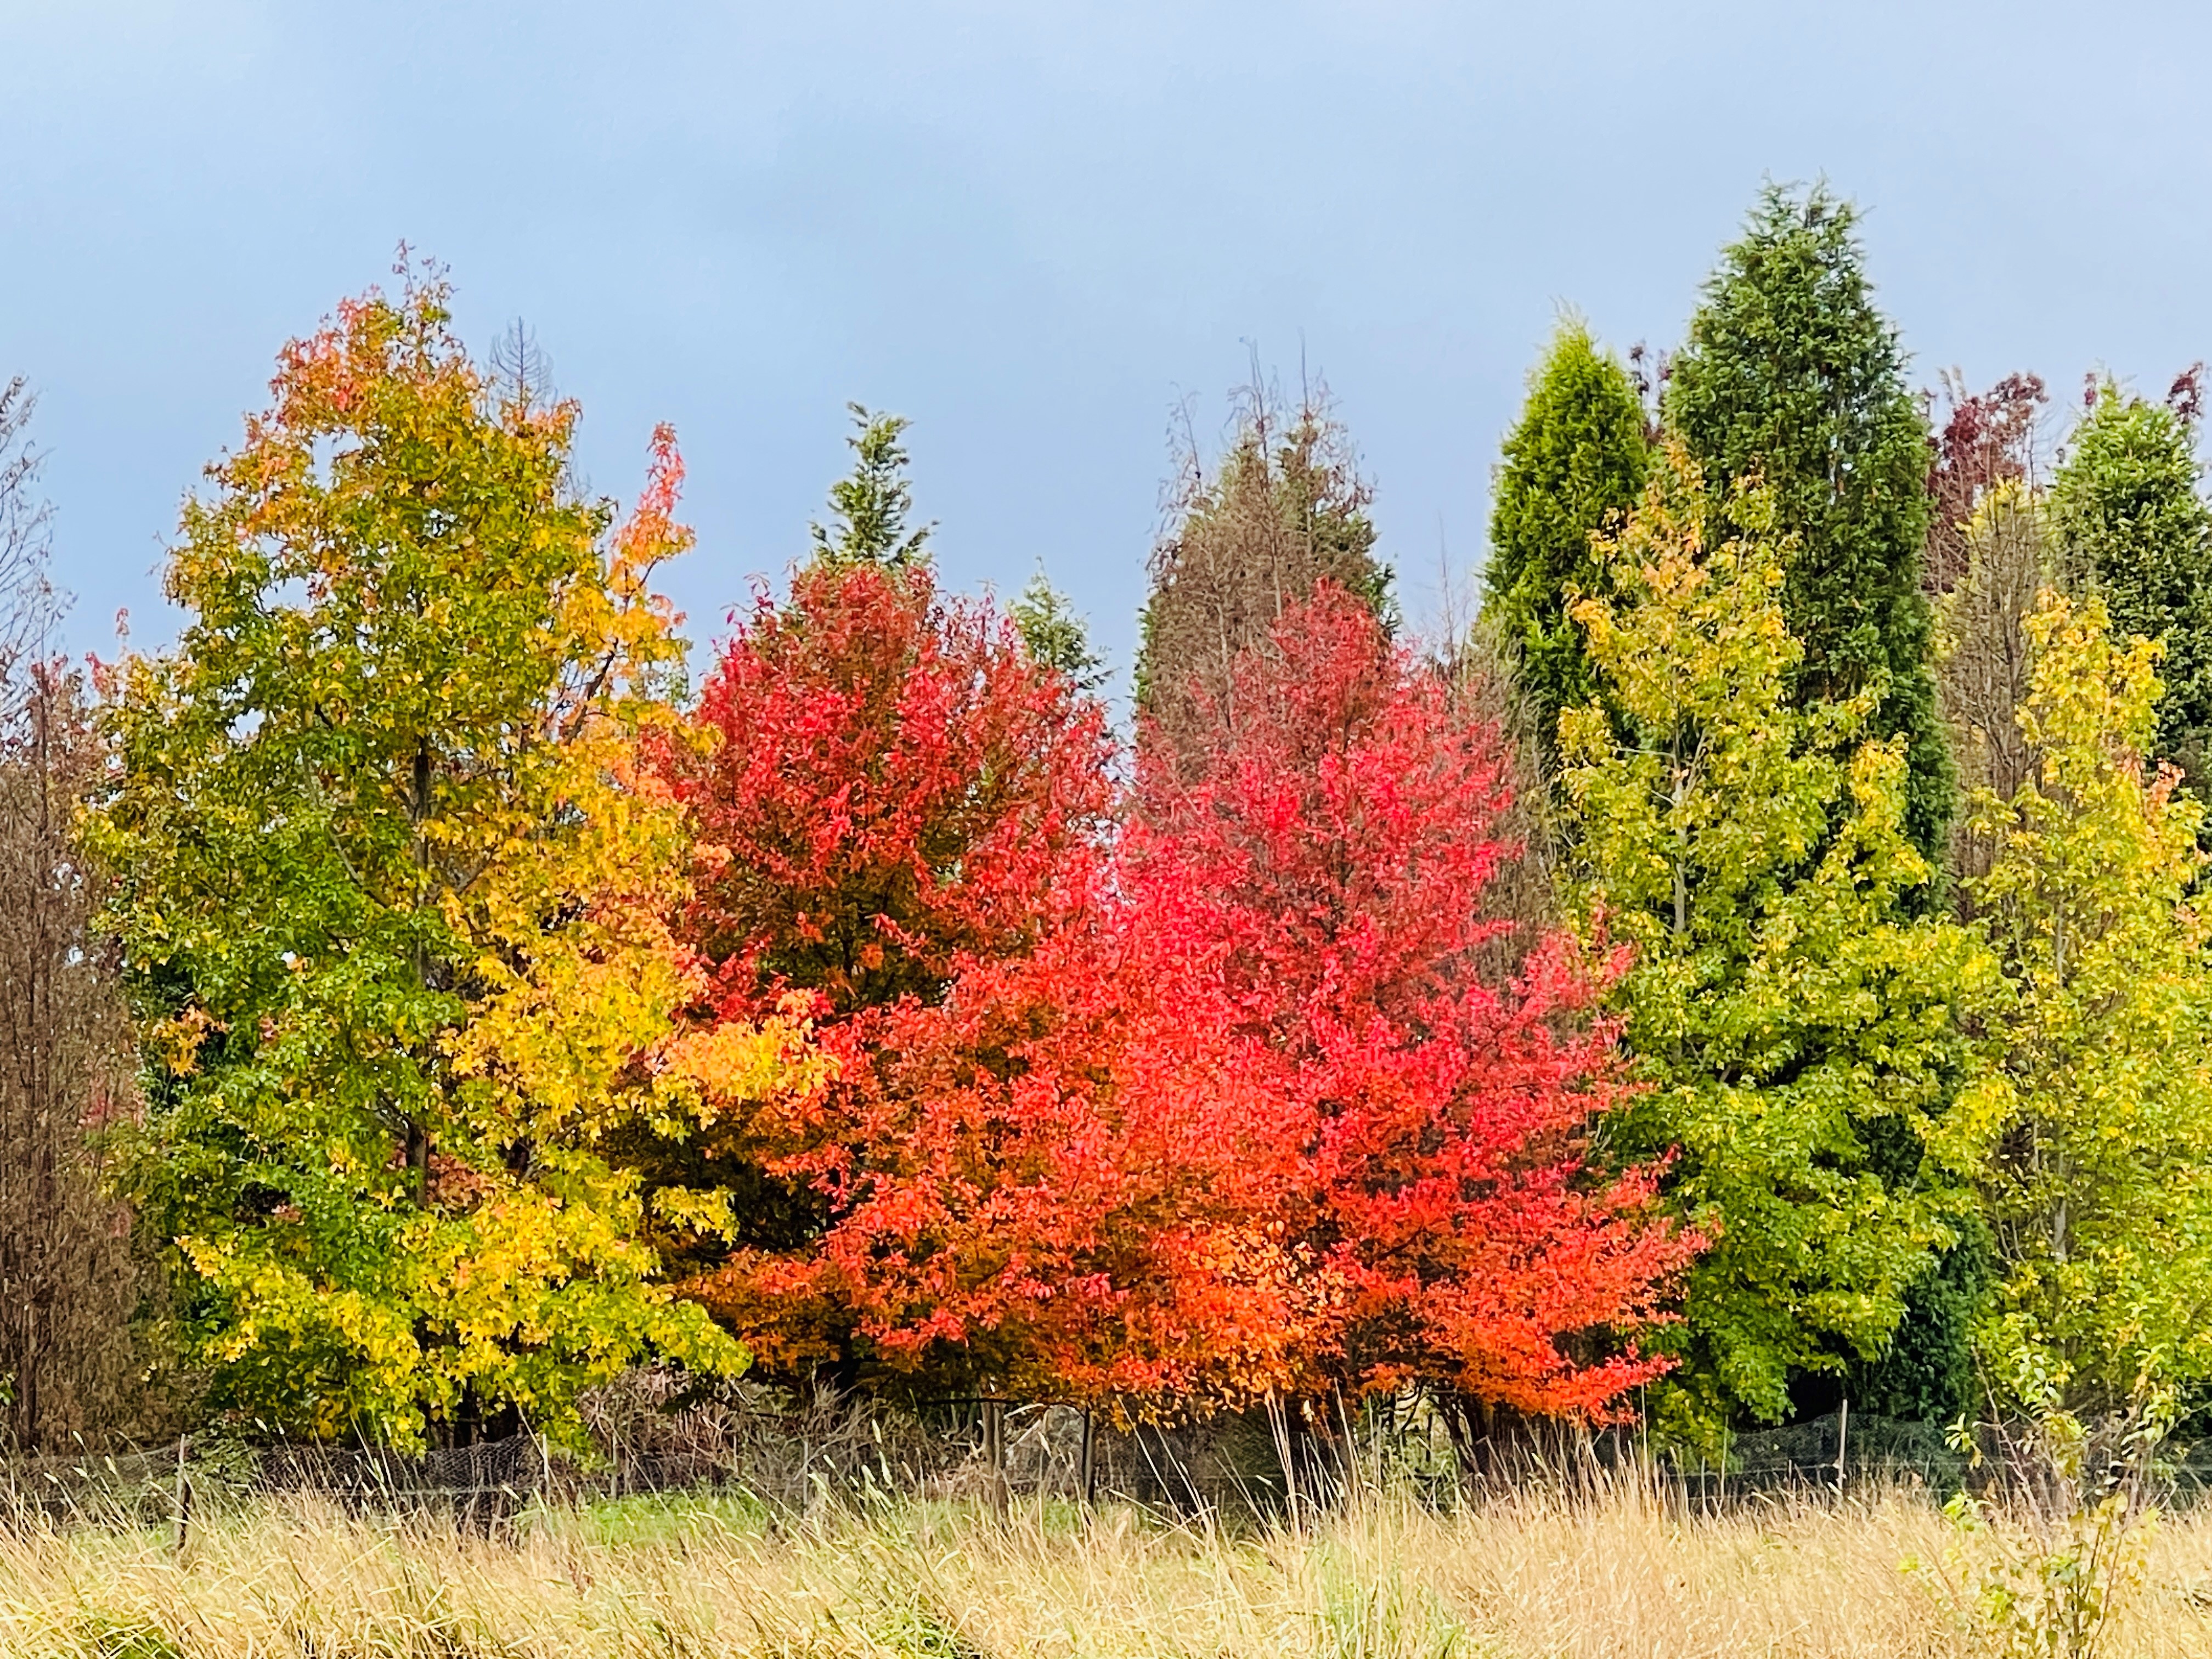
pixel 994 1453
pixel 1279 1424
pixel 1087 1473
pixel 1843 1440
pixel 184 1499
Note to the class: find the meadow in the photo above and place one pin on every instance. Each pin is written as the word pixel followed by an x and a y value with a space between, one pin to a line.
pixel 1753 976
pixel 687 1578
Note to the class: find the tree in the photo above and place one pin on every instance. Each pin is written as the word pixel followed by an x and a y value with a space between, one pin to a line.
pixel 69 1284
pixel 1027 1171
pixel 2132 525
pixel 1791 377
pixel 1051 1181
pixel 2008 558
pixel 869 509
pixel 1314 874
pixel 1055 634
pixel 898 797
pixel 1987 440
pixel 1285 509
pixel 1795 1029
pixel 393 894
pixel 2091 1129
pixel 1573 466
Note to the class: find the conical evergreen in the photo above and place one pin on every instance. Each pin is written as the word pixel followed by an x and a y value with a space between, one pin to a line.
pixel 870 507
pixel 1573 463
pixel 1052 633
pixel 2132 525
pixel 1793 377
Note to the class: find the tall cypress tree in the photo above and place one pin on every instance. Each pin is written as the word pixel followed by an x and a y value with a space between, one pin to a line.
pixel 1792 376
pixel 2132 525
pixel 1574 463
pixel 1053 633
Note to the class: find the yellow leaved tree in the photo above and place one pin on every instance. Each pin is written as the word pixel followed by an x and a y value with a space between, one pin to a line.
pixel 2091 1127
pixel 395 892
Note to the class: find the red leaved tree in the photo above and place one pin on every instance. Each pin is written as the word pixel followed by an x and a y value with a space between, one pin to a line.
pixel 902 819
pixel 1315 878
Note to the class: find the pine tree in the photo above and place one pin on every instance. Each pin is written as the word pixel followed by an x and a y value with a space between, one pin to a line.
pixel 1285 509
pixel 1793 378
pixel 1574 464
pixel 870 507
pixel 1055 634
pixel 2132 526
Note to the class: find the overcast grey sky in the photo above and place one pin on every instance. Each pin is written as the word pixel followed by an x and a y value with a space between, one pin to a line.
pixel 1032 228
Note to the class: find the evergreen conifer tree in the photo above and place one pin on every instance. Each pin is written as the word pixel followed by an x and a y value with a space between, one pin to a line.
pixel 871 506
pixel 1574 463
pixel 2132 526
pixel 1792 377
pixel 1054 634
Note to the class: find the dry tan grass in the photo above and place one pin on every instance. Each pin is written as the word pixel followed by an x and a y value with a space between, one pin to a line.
pixel 674 1578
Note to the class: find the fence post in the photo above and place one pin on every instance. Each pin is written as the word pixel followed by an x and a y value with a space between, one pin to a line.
pixel 184 1499
pixel 1843 1440
pixel 1087 1476
pixel 994 1453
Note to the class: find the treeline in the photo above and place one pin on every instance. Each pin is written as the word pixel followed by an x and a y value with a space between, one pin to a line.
pixel 1756 965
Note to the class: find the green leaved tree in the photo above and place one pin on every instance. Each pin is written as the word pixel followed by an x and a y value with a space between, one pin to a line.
pixel 394 897
pixel 1053 632
pixel 1795 1026
pixel 2133 528
pixel 1573 466
pixel 2091 1131
pixel 1793 378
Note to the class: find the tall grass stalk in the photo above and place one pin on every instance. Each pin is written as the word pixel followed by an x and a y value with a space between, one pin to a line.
pixel 686 1578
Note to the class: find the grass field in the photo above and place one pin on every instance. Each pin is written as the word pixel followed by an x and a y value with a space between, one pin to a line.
pixel 681 1578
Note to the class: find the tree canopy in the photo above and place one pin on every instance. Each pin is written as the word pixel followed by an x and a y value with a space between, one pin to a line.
pixel 1798 1030
pixel 1573 467
pixel 394 901
pixel 1793 379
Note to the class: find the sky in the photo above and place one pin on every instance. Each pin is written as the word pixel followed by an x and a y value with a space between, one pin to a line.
pixel 1038 230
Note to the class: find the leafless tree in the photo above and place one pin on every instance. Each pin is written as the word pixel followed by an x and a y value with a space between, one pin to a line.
pixel 68 1280
pixel 1986 438
pixel 1284 508
pixel 2006 557
pixel 1466 652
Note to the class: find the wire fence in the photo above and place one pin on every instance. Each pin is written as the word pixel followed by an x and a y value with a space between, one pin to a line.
pixel 790 1454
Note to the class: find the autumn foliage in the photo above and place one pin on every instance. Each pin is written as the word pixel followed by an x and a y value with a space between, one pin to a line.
pixel 394 899
pixel 1317 881
pixel 894 805
pixel 893 788
pixel 1223 1108
pixel 506 1017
